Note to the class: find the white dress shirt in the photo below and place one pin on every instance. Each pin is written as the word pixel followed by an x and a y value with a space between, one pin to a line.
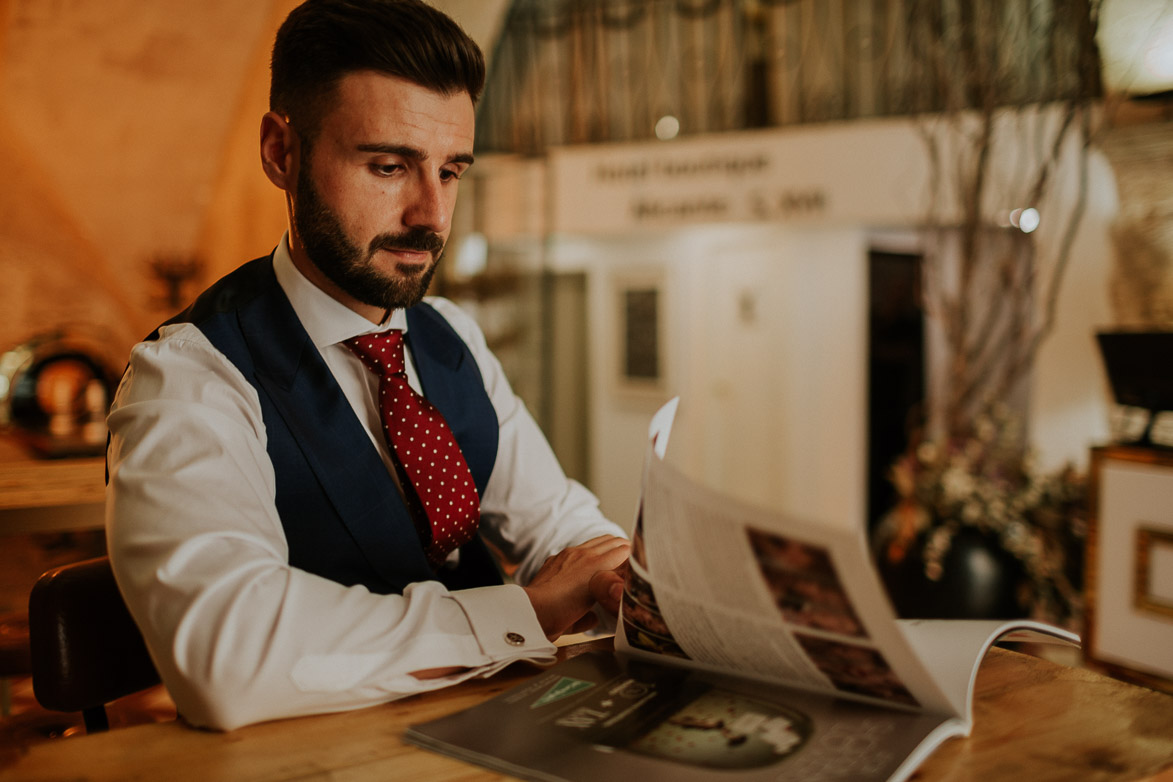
pixel 239 635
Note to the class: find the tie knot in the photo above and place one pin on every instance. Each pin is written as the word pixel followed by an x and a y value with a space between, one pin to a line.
pixel 382 353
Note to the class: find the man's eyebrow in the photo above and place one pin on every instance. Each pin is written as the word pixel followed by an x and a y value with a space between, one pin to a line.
pixel 412 153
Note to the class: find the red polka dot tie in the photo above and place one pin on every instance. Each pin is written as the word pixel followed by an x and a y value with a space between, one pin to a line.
pixel 441 488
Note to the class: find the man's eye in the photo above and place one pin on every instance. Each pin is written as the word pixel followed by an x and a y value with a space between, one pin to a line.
pixel 449 176
pixel 386 169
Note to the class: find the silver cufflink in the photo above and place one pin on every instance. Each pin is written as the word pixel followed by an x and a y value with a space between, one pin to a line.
pixel 514 639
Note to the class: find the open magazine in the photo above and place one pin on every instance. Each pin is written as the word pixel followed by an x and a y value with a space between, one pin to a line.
pixel 748 641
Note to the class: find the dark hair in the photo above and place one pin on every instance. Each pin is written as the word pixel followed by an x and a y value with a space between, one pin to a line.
pixel 323 40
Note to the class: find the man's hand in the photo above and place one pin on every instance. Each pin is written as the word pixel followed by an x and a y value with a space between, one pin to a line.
pixel 569 584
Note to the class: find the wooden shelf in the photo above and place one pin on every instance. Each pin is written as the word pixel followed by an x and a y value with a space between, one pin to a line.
pixel 44 484
pixel 31 487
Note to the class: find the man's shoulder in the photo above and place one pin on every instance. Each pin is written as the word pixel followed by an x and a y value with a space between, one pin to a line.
pixel 231 292
pixel 447 325
pixel 216 320
pixel 180 364
pixel 452 315
pixel 446 313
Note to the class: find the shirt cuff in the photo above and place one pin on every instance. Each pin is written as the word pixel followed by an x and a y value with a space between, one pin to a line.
pixel 504 623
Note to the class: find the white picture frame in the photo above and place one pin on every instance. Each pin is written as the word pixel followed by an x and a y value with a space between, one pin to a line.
pixel 1128 584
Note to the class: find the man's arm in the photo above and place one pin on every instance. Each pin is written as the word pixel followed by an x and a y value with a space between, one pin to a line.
pixel 238 635
pixel 567 588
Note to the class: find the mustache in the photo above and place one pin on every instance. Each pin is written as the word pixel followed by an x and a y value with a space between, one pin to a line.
pixel 415 240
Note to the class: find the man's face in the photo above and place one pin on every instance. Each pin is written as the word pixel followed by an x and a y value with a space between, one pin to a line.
pixel 374 197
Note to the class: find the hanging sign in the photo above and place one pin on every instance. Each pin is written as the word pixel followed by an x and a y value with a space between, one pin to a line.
pixel 863 172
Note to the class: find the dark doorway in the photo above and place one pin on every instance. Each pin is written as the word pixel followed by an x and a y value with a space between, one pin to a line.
pixel 896 374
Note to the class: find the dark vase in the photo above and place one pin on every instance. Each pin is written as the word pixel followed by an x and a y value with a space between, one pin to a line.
pixel 979 580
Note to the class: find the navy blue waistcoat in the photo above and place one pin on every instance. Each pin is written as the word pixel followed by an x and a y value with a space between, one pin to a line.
pixel 343 515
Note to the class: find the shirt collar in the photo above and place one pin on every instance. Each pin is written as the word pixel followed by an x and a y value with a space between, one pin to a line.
pixel 327 320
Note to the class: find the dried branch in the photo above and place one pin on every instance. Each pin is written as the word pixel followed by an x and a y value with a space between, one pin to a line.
pixel 998 308
pixel 1063 256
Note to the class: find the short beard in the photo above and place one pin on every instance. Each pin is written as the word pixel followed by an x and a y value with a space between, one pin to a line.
pixel 329 248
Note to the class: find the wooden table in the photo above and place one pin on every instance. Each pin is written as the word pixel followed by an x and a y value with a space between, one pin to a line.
pixel 1036 721
pixel 49 495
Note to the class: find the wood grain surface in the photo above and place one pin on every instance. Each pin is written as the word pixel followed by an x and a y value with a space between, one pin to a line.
pixel 1035 721
pixel 27 482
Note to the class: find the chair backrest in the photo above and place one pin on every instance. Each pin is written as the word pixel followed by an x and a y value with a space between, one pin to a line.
pixel 86 649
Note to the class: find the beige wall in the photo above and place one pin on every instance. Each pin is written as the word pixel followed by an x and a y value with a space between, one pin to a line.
pixel 766 334
pixel 128 131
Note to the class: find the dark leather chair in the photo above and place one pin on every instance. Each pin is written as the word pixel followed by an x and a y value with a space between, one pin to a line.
pixel 86 649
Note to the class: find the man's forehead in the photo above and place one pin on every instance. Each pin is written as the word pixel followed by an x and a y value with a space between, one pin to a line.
pixel 375 103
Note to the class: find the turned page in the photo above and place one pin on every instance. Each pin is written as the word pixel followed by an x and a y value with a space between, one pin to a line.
pixel 721 585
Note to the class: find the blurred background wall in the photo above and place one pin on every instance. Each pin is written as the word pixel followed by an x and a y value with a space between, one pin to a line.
pixel 722 175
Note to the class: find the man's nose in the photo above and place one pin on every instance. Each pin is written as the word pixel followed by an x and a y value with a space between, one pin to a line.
pixel 427 206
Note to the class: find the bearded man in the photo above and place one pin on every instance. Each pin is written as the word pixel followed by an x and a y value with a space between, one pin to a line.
pixel 310 466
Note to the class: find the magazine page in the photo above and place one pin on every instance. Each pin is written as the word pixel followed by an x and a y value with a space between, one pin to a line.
pixel 952 649
pixel 661 426
pixel 601 716
pixel 724 586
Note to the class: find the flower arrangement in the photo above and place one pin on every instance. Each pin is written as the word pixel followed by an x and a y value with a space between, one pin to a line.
pixel 988 481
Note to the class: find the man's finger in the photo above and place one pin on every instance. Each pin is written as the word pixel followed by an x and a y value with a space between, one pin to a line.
pixel 606 588
pixel 605 542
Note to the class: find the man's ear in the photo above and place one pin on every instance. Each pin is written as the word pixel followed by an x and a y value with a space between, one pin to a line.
pixel 279 151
